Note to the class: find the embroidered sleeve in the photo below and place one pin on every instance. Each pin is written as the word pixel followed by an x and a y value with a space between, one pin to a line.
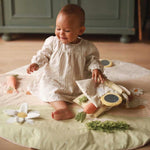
pixel 43 56
pixel 93 61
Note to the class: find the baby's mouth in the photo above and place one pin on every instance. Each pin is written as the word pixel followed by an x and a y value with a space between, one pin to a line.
pixel 63 38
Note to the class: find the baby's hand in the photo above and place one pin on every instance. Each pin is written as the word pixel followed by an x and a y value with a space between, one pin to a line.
pixel 97 76
pixel 33 67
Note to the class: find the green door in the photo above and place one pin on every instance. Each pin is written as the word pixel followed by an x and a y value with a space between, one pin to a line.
pixel 31 14
pixel 108 16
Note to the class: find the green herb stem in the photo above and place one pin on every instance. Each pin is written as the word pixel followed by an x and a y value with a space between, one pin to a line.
pixel 108 126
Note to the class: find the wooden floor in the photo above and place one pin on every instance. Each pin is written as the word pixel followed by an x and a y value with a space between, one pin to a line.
pixel 17 53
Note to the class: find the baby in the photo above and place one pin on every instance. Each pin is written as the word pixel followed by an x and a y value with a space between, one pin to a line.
pixel 65 58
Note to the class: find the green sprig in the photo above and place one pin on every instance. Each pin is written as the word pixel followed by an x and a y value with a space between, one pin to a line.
pixel 80 116
pixel 83 100
pixel 108 126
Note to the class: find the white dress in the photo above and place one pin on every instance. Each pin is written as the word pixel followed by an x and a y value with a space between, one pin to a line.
pixel 63 64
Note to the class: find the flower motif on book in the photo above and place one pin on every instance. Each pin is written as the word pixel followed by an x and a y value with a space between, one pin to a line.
pixel 137 91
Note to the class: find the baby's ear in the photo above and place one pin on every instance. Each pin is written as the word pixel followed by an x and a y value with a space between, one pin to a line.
pixel 82 29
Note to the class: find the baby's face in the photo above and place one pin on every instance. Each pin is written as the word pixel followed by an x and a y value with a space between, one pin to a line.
pixel 68 28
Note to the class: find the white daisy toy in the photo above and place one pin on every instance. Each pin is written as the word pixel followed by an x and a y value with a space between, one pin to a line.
pixel 137 91
pixel 22 115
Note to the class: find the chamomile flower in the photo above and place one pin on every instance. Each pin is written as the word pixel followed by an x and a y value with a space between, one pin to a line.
pixel 22 115
pixel 137 91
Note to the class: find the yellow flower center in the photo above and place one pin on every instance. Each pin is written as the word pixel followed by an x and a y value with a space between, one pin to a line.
pixel 22 115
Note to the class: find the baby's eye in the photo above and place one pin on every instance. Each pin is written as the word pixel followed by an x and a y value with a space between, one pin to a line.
pixel 58 29
pixel 67 30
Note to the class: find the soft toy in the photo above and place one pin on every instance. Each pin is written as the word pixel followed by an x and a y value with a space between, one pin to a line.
pixel 102 98
pixel 12 83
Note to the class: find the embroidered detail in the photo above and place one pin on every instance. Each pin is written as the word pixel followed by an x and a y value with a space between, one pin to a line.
pixel 137 91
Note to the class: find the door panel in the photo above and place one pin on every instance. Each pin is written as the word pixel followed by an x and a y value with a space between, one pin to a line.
pixel 107 13
pixel 31 12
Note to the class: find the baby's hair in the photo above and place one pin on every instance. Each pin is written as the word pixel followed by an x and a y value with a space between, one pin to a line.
pixel 72 9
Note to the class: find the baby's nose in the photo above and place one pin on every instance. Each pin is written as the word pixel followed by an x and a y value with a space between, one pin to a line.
pixel 62 32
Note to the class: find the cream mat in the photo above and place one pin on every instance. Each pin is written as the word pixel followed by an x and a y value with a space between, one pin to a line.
pixel 48 134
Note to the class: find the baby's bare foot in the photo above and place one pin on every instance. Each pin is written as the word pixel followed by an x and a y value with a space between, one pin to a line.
pixel 62 114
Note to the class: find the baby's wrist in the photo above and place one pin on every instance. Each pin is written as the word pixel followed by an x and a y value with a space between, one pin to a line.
pixel 97 70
